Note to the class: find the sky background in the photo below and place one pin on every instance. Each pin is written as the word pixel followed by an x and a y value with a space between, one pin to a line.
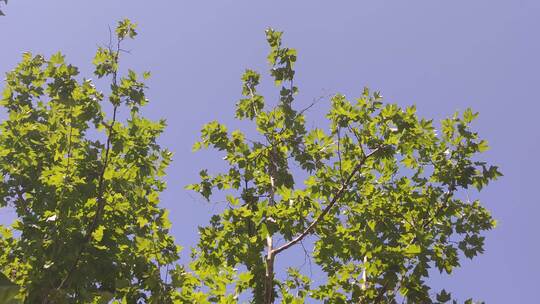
pixel 441 56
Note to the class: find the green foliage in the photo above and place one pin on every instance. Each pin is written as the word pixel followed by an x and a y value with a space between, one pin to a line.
pixel 382 202
pixel 377 194
pixel 84 184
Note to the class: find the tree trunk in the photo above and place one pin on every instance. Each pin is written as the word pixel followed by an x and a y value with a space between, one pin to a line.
pixel 269 281
pixel 269 274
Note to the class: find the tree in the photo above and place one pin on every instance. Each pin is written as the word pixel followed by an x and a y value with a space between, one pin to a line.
pixel 381 202
pixel 378 196
pixel 84 184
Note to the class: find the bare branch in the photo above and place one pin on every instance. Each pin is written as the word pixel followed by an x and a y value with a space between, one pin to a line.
pixel 312 104
pixel 307 258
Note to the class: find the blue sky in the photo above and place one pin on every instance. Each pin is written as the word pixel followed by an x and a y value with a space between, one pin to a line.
pixel 441 56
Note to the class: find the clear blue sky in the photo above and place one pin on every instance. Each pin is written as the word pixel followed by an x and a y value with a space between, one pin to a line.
pixel 441 55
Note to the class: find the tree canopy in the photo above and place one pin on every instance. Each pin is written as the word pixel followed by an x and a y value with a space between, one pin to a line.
pixel 84 184
pixel 377 196
pixel 375 193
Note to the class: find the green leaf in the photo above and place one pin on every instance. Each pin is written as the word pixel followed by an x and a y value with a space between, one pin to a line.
pixel 98 234
pixel 413 249
pixel 126 29
pixel 483 146
pixel 444 296
pixel 469 116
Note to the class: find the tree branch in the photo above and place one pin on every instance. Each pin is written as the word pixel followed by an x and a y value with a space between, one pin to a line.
pixel 101 182
pixel 269 274
pixel 335 199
